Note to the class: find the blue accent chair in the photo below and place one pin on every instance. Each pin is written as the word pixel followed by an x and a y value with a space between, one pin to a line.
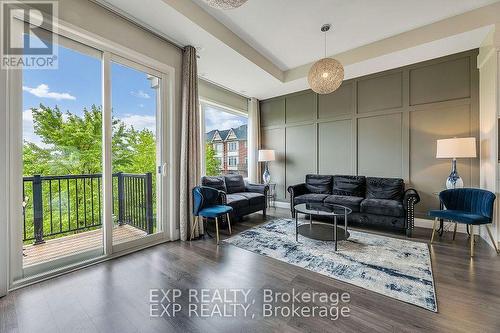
pixel 206 205
pixel 470 206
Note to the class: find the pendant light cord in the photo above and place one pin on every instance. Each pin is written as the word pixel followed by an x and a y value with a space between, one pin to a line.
pixel 325 43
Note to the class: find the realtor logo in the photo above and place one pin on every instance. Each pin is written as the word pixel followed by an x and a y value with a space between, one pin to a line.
pixel 28 36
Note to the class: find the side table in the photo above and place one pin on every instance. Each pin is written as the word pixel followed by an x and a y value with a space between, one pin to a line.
pixel 271 195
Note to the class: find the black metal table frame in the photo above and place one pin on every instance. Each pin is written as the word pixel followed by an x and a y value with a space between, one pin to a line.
pixel 310 222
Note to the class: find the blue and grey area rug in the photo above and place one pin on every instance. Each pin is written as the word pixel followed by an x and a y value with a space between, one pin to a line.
pixel 396 268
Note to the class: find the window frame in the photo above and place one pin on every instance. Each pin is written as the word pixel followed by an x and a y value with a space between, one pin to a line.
pixel 202 100
pixel 12 79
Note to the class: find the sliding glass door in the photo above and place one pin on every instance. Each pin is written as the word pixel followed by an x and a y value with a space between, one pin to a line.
pixel 136 151
pixel 89 140
pixel 62 159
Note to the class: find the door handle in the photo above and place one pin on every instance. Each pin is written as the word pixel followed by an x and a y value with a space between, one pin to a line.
pixel 162 169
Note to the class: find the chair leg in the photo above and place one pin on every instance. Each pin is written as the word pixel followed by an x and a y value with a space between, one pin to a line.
pixel 472 240
pixel 455 231
pixel 194 226
pixel 492 239
pixel 229 223
pixel 217 229
pixel 434 229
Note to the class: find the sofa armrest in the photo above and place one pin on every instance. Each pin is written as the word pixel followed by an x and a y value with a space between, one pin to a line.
pixel 295 191
pixel 257 188
pixel 410 199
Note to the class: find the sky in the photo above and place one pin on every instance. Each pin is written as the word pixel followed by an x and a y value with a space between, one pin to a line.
pixel 216 118
pixel 76 85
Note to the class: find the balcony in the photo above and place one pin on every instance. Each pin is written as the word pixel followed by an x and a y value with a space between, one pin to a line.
pixel 62 215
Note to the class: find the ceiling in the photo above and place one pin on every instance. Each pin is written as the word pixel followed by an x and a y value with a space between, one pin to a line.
pixel 264 48
pixel 288 31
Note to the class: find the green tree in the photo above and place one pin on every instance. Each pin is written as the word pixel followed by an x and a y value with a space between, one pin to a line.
pixel 72 144
pixel 211 162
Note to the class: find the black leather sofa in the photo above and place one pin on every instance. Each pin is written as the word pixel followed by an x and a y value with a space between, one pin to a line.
pixel 374 201
pixel 245 198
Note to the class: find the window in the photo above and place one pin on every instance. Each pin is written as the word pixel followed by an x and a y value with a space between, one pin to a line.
pixel 232 161
pixel 229 128
pixel 232 146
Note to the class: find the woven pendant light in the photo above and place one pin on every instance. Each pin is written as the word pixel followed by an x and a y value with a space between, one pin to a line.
pixel 327 74
pixel 225 4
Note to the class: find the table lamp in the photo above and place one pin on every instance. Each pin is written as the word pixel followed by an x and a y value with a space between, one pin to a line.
pixel 266 155
pixel 455 148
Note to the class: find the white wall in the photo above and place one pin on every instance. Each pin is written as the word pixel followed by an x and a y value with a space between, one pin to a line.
pixel 489 111
pixel 218 95
pixel 4 244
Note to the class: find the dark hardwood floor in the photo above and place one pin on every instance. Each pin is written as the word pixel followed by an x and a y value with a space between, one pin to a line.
pixel 114 296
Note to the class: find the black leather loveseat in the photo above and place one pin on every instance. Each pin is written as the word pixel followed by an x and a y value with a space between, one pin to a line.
pixel 374 201
pixel 245 198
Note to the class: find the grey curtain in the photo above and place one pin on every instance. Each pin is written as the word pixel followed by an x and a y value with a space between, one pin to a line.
pixel 190 142
pixel 253 140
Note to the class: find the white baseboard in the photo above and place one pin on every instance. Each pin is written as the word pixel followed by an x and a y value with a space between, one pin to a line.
pixel 448 226
pixel 282 204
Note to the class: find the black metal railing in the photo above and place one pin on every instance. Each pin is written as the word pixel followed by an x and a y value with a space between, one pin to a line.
pixel 55 206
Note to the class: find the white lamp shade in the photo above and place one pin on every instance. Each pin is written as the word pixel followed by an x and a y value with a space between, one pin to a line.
pixel 266 155
pixel 456 148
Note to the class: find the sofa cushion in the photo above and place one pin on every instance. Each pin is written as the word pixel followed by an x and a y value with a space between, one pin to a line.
pixel 310 197
pixel 383 207
pixel 234 183
pixel 385 188
pixel 349 185
pixel 237 201
pixel 253 198
pixel 319 184
pixel 214 182
pixel 345 200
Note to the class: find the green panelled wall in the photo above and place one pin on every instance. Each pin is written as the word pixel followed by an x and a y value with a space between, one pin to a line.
pixel 385 124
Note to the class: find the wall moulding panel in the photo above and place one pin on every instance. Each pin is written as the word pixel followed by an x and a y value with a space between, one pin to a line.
pixel 383 124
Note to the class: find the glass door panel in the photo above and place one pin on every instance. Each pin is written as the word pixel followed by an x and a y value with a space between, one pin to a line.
pixel 62 159
pixel 136 152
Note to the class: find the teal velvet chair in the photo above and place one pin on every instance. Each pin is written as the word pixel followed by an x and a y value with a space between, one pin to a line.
pixel 470 206
pixel 206 204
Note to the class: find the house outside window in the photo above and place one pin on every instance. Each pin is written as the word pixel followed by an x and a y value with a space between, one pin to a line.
pixel 226 146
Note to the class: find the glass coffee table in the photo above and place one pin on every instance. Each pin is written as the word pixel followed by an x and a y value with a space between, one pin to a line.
pixel 320 230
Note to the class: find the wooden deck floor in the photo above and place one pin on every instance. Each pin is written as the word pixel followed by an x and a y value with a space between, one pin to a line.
pixel 64 246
